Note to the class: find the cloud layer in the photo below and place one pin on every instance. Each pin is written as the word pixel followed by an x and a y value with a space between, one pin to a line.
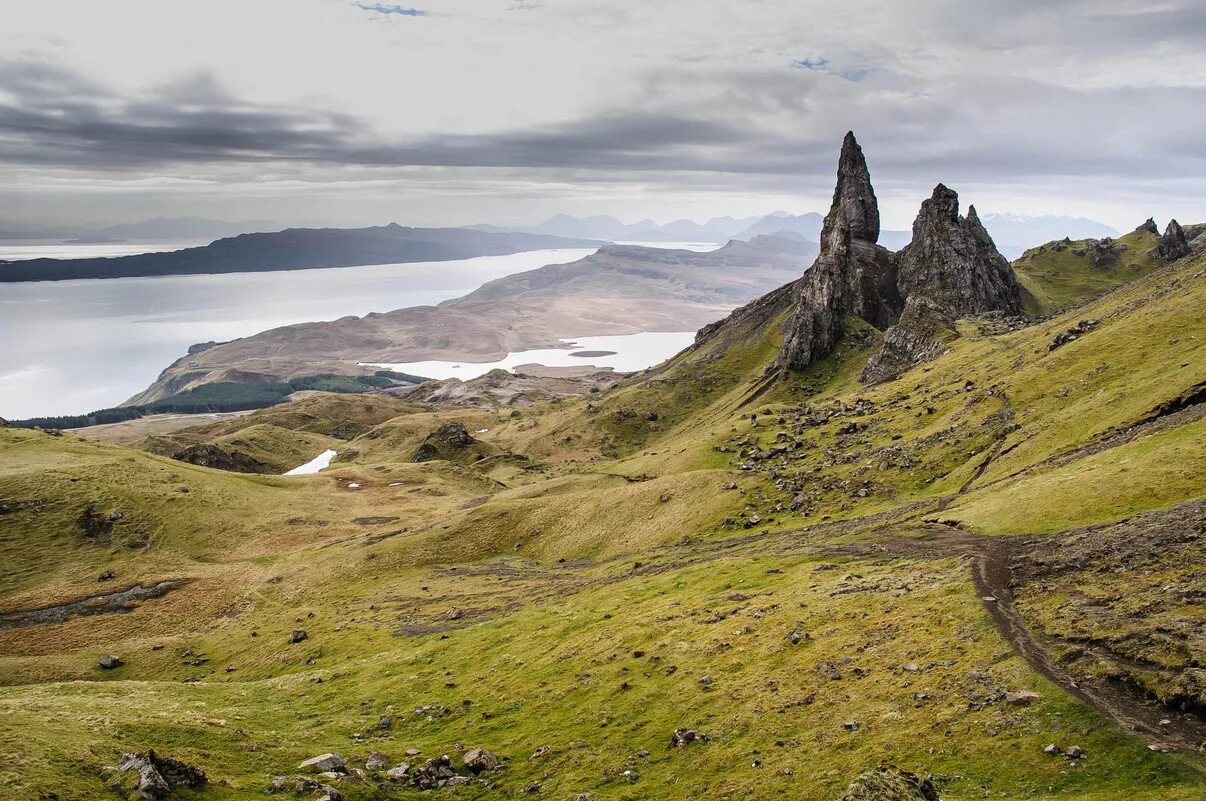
pixel 1093 104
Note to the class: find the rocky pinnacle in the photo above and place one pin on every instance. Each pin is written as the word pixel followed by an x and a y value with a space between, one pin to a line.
pixel 951 269
pixel 952 261
pixel 851 276
pixel 1174 244
pixel 853 197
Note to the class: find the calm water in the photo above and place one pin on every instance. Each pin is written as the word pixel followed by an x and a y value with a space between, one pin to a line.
pixel 628 352
pixel 68 347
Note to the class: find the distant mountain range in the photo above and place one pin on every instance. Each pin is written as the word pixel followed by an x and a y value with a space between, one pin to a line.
pixel 296 249
pixel 1018 231
pixel 1013 233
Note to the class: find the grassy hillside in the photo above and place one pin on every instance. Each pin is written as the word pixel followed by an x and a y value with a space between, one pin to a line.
pixel 818 575
pixel 1061 274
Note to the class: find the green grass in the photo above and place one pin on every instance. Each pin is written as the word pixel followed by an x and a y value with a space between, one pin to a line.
pixel 610 539
pixel 1057 275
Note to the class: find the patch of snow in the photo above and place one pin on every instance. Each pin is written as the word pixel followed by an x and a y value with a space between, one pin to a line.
pixel 319 462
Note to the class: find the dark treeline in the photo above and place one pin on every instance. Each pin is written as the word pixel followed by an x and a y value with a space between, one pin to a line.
pixel 226 396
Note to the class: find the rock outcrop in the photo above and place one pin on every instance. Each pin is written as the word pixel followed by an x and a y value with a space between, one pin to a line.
pixel 1148 227
pixel 852 275
pixel 157 776
pixel 448 437
pixel 920 335
pixel 950 269
pixel 952 261
pixel 1174 244
pixel 890 783
pixel 209 455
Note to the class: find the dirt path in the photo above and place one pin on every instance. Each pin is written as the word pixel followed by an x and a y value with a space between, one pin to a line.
pixel 990 558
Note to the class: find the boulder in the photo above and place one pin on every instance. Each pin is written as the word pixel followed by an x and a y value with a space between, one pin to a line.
pixel 1174 244
pixel 479 759
pixel 324 763
pixel 109 661
pixel 681 738
pixel 157 776
pixel 376 761
pixel 298 635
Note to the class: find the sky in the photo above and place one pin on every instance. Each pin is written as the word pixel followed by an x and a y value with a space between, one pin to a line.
pixel 450 112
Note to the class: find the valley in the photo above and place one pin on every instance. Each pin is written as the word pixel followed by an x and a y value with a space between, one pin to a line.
pixel 919 514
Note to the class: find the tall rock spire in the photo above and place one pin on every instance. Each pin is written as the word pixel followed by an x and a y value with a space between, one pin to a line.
pixel 851 276
pixel 853 197
pixel 951 269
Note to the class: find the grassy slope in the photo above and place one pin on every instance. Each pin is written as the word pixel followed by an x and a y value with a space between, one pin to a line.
pixel 1058 274
pixel 545 648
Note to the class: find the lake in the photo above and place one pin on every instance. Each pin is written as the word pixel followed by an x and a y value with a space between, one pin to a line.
pixel 69 347
pixel 624 353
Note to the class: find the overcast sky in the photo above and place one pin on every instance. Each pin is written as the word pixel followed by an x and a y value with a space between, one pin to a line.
pixel 457 111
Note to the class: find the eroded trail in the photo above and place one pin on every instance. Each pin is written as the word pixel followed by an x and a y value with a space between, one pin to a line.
pixel 990 558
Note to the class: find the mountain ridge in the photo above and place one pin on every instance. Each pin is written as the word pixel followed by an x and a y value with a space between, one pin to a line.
pixel 294 249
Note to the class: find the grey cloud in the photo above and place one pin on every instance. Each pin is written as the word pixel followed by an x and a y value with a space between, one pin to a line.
pixel 754 122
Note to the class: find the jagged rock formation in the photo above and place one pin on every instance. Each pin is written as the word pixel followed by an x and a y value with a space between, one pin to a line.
pixel 1174 244
pixel 1148 227
pixel 951 269
pixel 952 261
pixel 851 276
pixel 920 335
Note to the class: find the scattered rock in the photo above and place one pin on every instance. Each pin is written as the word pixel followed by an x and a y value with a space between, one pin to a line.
pixel 479 759
pixel 436 772
pixel 298 635
pixel 681 738
pixel 323 763
pixel 376 761
pixel 1072 334
pixel 158 776
pixel 109 661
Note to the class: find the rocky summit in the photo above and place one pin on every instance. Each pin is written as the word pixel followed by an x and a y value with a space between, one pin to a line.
pixel 950 270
